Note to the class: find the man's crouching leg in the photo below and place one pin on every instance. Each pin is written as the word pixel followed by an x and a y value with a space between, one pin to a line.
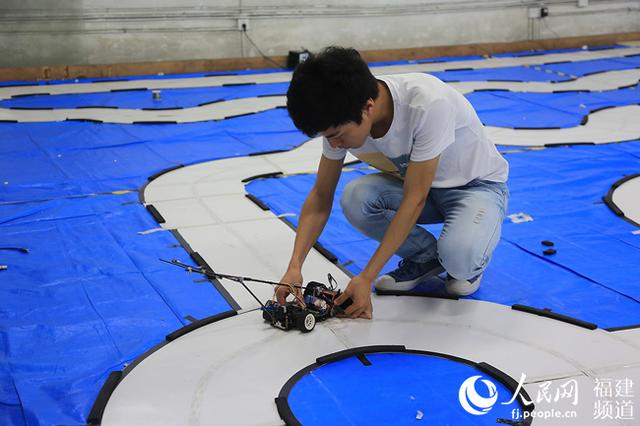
pixel 369 203
pixel 471 232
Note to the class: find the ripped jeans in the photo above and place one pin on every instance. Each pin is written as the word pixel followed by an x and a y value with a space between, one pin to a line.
pixel 472 216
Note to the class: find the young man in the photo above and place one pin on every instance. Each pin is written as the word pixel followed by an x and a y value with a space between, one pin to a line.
pixel 436 164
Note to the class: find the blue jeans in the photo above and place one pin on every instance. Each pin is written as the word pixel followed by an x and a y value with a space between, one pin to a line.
pixel 472 216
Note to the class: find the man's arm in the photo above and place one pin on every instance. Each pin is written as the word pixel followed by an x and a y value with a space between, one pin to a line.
pixel 316 209
pixel 417 184
pixel 313 218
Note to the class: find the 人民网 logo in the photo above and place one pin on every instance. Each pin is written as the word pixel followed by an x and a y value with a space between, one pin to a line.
pixel 472 401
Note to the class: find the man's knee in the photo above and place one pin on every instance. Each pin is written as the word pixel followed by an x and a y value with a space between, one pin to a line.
pixel 350 200
pixel 359 197
pixel 461 259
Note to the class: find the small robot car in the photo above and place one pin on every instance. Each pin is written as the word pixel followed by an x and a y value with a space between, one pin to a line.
pixel 320 305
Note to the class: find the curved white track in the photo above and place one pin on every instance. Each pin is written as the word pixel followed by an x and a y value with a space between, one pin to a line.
pixel 604 81
pixel 609 125
pixel 230 372
pixel 215 111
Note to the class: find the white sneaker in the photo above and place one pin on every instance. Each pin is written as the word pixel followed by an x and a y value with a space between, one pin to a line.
pixel 462 287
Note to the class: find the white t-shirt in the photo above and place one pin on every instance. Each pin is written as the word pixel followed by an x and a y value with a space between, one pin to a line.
pixel 431 118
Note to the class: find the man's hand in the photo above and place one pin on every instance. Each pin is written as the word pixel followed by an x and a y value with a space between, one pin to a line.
pixel 292 276
pixel 359 290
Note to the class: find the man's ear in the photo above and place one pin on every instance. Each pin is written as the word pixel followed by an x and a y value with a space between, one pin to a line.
pixel 368 107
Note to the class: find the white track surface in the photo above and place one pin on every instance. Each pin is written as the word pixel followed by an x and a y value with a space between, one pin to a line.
pixel 229 372
pixel 603 81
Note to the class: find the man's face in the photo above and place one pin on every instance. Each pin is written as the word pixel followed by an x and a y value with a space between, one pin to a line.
pixel 348 135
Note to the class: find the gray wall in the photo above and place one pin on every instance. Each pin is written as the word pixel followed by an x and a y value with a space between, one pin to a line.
pixel 74 32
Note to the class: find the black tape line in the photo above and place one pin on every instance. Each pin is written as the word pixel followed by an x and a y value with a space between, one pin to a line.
pixel 19 85
pixel 199 323
pixel 262 176
pixel 210 103
pixel 507 380
pixel 95 416
pixel 602 108
pixel 85 120
pixel 625 180
pixel 565 144
pixel 97 106
pixel 417 294
pixel 27 94
pixel 162 109
pixel 571 91
pixel 257 201
pixel 537 128
pixel 110 81
pixel 155 213
pixel 155 122
pixel 325 252
pixel 552 315
pixel 220 74
pixel 23 250
pixel 492 90
pixel 30 109
pixel 285 412
pixel 498 374
pixel 337 356
pixel 238 84
pixel 363 359
pixel 556 62
pixel 275 151
pixel 594 73
pixel 623 327
pixel 239 115
pixel 135 89
pixel 628 86
pixel 200 261
pixel 608 200
pixel 596 48
pixel 8 121
pixel 459 69
pixel 221 289
pixel 160 173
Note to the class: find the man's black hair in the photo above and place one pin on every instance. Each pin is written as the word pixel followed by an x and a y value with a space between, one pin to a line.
pixel 330 89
